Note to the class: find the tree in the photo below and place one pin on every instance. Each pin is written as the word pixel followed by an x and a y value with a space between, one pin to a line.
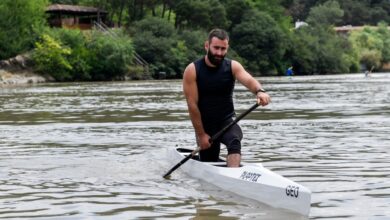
pixel 259 40
pixel 110 56
pixel 194 41
pixel 317 49
pixel 275 10
pixel 384 33
pixel 50 57
pixel 200 14
pixel 20 21
pixel 235 11
pixel 299 9
pixel 328 13
pixel 371 46
pixel 155 39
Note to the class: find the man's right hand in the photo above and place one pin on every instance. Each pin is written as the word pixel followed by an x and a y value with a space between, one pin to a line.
pixel 203 141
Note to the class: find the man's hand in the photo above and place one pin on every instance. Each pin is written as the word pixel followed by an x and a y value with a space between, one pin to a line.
pixel 203 141
pixel 263 98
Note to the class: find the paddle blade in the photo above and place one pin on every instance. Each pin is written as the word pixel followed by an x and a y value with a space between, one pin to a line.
pixel 167 175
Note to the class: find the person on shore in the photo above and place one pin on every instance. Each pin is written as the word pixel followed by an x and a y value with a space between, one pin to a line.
pixel 208 85
pixel 289 71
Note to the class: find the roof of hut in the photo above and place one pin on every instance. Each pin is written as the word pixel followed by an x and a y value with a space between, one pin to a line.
pixel 73 9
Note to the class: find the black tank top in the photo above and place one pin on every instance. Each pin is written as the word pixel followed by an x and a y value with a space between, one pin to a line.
pixel 215 90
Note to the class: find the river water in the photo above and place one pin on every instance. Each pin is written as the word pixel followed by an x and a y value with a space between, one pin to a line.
pixel 98 150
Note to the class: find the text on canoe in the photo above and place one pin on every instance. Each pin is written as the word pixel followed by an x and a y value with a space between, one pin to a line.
pixel 250 176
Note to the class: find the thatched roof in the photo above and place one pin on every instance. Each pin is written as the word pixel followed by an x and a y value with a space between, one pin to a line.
pixel 73 9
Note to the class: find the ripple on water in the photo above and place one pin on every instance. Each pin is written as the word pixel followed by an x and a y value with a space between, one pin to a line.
pixel 96 150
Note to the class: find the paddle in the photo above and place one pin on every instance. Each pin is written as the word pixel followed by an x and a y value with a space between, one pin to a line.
pixel 213 138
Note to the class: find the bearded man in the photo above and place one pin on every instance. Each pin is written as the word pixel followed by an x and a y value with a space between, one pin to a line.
pixel 208 85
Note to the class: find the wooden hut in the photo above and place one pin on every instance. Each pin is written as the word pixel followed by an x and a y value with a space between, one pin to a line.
pixel 74 16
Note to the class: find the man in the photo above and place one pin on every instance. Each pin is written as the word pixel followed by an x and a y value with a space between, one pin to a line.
pixel 289 71
pixel 208 85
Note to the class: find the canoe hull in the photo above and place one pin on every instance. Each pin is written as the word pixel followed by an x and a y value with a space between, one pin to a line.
pixel 251 181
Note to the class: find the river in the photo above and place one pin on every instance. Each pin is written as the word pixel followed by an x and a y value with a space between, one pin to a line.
pixel 98 150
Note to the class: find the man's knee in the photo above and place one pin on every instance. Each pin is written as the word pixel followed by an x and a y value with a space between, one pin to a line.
pixel 234 147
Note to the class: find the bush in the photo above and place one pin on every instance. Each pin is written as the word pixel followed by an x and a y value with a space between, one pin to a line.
pixel 71 55
pixel 79 58
pixel 51 57
pixel 260 41
pixel 157 42
pixel 20 21
pixel 110 56
pixel 136 72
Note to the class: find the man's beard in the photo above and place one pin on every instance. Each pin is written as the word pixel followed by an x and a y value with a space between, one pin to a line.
pixel 215 60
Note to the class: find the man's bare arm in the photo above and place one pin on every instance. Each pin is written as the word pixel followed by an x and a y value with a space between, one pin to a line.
pixel 251 83
pixel 191 93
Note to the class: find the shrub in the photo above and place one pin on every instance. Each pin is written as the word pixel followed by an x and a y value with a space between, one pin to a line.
pixel 51 57
pixel 110 56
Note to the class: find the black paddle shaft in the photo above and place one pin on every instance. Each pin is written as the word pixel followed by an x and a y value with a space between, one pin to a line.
pixel 213 138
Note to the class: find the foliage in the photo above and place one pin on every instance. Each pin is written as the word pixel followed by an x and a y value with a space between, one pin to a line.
pixel 179 52
pixel 110 56
pixel 194 41
pixel 328 13
pixel 372 45
pixel 157 42
pixel 19 28
pixel 275 10
pixel 169 34
pixel 79 59
pixel 384 34
pixel 200 14
pixel 259 37
pixel 365 12
pixel 136 72
pixel 355 12
pixel 235 10
pixel 70 55
pixel 51 57
pixel 319 50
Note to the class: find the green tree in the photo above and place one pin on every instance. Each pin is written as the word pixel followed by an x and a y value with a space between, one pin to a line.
pixel 317 49
pixel 235 10
pixel 155 39
pixel 110 56
pixel 384 34
pixel 200 14
pixel 20 21
pixel 79 58
pixel 371 46
pixel 51 57
pixel 328 13
pixel 194 41
pixel 259 40
pixel 275 10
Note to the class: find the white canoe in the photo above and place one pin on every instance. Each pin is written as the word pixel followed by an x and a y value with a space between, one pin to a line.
pixel 249 180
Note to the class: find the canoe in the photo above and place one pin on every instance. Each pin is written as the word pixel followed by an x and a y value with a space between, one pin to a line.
pixel 249 180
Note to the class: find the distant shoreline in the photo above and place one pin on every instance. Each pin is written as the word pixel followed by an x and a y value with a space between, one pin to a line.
pixel 20 78
pixel 18 71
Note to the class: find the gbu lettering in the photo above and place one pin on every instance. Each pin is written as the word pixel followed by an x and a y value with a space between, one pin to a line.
pixel 292 191
pixel 249 176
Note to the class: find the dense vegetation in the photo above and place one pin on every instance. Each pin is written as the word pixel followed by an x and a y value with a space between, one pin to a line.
pixel 169 34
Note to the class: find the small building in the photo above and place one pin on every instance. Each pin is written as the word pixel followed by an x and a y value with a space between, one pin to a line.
pixel 347 29
pixel 299 24
pixel 75 16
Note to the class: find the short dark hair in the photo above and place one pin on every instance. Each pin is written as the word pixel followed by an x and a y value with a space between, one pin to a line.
pixel 218 33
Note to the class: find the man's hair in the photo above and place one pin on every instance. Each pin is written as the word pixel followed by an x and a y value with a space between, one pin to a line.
pixel 218 33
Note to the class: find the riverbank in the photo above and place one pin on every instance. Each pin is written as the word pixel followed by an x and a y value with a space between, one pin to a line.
pixel 18 70
pixel 19 78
